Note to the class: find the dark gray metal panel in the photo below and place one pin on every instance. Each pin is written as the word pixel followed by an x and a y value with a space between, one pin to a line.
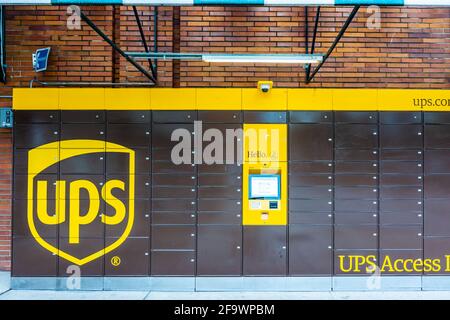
pixel 356 117
pixel 437 248
pixel 367 193
pixel 437 186
pixel 226 205
pixel 349 180
pixel 181 192
pixel 401 167
pixel 134 256
pixel 30 259
pixel 173 204
pixel 438 161
pixel 437 217
pixel 345 237
pixel 356 154
pixel 310 116
pixel 38 116
pixel 310 250
pixel 173 237
pixel 310 167
pixel 400 117
pixel 264 117
pixel 356 167
pixel 322 205
pixel 174 179
pixel 219 168
pixel 160 167
pixel 219 250
pixel 310 142
pixel 91 131
pixel 356 136
pixel 128 116
pixel 401 205
pixel 220 116
pixel 82 116
pixel 174 116
pixel 401 237
pixel 173 263
pixel 358 218
pixel 164 217
pixel 401 155
pixel 221 218
pixel 310 180
pixel 321 192
pixel 401 136
pixel 437 136
pixel 265 250
pixel 225 192
pixel 398 218
pixel 356 205
pixel 407 180
pixel 310 218
pixel 135 136
pixel 401 192
pixel 34 135
pixel 220 180
pixel 437 117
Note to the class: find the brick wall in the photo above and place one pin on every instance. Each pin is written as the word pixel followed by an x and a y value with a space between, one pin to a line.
pixel 410 50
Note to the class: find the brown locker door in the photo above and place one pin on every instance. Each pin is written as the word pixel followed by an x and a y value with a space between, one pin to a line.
pixel 119 162
pixel 265 250
pixel 310 142
pixel 134 256
pixel 316 205
pixel 220 116
pixel 320 192
pixel 38 116
pixel 401 254
pixel 356 117
pixel 296 217
pixel 30 259
pixel 129 116
pixel 401 237
pixel 310 117
pixel 437 117
pixel 86 247
pixel 310 250
pixel 437 248
pixel 219 250
pixel 356 154
pixel 356 237
pixel 173 237
pixel 400 117
pixel 264 117
pixel 356 136
pixel 401 136
pixel 311 167
pixel 437 136
pixel 85 116
pixel 173 263
pixel 438 161
pixel 91 163
pixel 130 136
pixel 90 131
pixel 174 116
pixel 437 186
pixel 437 217
pixel 402 155
pixel 33 135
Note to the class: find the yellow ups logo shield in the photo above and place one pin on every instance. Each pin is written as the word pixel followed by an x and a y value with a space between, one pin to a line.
pixel 78 203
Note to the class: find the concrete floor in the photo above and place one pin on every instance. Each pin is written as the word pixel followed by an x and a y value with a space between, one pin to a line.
pixel 6 294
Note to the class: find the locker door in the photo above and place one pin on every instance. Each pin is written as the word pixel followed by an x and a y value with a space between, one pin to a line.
pixel 130 136
pixel 173 263
pixel 437 136
pixel 38 116
pixel 356 117
pixel 437 217
pixel 220 116
pixel 33 135
pixel 310 251
pixel 356 136
pixel 265 251
pixel 356 237
pixel 85 116
pixel 219 250
pixel 310 117
pixel 134 256
pixel 264 117
pixel 31 259
pixel 401 136
pixel 310 142
pixel 129 116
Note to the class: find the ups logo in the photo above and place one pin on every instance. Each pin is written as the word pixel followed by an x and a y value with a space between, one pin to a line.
pixel 74 204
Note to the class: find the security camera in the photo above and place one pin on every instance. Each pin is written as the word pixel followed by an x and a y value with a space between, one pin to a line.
pixel 265 86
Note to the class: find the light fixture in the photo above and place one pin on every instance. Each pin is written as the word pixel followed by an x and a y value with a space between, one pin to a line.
pixel 232 58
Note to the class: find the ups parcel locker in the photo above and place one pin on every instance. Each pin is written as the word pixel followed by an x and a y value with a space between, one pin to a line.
pixel 370 184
